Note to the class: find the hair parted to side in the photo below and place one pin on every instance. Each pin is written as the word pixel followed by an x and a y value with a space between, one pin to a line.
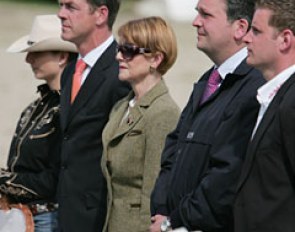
pixel 112 5
pixel 240 9
pixel 153 33
pixel 283 13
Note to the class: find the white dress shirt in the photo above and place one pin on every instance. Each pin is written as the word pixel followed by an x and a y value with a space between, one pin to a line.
pixel 268 91
pixel 91 57
pixel 230 65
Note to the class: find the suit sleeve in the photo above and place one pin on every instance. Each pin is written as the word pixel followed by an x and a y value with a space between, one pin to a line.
pixel 287 119
pixel 160 191
pixel 209 206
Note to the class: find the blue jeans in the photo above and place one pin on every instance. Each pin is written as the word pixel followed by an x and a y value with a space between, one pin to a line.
pixel 46 222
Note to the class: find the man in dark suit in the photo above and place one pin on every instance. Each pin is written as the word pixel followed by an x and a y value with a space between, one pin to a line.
pixel 266 190
pixel 82 187
pixel 202 158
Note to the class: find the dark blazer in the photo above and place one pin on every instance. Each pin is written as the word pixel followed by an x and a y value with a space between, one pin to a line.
pixel 266 191
pixel 202 158
pixel 82 187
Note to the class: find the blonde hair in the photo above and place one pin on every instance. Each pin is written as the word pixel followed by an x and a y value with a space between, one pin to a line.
pixel 153 33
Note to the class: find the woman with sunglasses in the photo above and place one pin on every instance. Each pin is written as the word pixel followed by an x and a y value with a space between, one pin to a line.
pixel 134 137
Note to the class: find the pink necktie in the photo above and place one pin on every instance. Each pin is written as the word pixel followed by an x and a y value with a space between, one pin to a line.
pixel 80 67
pixel 212 85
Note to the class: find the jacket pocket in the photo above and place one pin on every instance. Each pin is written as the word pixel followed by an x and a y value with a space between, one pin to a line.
pixel 134 204
pixel 134 133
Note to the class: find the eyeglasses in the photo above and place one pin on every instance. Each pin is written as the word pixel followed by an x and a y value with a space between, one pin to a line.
pixel 129 51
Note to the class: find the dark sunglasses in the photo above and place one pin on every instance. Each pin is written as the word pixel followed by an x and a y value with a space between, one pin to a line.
pixel 129 51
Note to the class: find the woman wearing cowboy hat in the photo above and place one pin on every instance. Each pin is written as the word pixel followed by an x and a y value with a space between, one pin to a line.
pixel 32 166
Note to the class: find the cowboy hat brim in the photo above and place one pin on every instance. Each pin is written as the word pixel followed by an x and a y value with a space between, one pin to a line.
pixel 50 44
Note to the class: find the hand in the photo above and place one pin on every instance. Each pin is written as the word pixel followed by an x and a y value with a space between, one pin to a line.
pixel 156 223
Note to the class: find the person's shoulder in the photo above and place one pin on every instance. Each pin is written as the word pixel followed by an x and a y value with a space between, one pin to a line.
pixel 165 106
pixel 251 76
pixel 288 89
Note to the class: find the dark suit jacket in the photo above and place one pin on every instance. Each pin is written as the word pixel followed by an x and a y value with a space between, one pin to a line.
pixel 82 187
pixel 202 158
pixel 266 192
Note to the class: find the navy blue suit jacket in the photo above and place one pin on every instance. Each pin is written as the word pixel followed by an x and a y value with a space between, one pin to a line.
pixel 202 158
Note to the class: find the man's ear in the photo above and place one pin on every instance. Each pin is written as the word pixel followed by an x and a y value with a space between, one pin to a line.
pixel 241 27
pixel 285 40
pixel 101 14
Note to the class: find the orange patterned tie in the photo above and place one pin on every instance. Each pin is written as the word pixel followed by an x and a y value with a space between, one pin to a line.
pixel 80 67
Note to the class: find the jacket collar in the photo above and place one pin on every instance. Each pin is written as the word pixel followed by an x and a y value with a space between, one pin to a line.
pixel 158 90
pixel 44 90
pixel 136 112
pixel 241 71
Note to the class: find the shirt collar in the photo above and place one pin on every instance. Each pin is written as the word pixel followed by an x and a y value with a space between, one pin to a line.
pixel 44 90
pixel 230 65
pixel 266 93
pixel 91 57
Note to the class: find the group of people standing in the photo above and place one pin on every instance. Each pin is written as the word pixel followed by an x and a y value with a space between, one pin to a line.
pixel 105 147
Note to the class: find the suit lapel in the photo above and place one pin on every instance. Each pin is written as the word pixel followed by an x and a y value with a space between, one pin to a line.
pixel 241 71
pixel 93 81
pixel 134 116
pixel 199 89
pixel 66 93
pixel 262 127
pixel 251 151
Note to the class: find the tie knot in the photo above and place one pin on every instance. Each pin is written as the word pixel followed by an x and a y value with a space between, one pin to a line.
pixel 212 85
pixel 80 66
pixel 214 78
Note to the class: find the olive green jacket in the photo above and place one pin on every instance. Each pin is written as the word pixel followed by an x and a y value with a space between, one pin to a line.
pixel 131 158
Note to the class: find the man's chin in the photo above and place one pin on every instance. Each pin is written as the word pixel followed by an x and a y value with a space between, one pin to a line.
pixel 202 48
pixel 250 61
pixel 199 46
pixel 66 37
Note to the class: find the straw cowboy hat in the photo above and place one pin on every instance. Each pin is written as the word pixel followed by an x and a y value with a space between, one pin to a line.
pixel 45 36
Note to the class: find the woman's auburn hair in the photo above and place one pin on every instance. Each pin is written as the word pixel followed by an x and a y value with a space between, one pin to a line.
pixel 153 33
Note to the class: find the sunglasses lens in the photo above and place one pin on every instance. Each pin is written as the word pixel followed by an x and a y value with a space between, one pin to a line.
pixel 128 51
